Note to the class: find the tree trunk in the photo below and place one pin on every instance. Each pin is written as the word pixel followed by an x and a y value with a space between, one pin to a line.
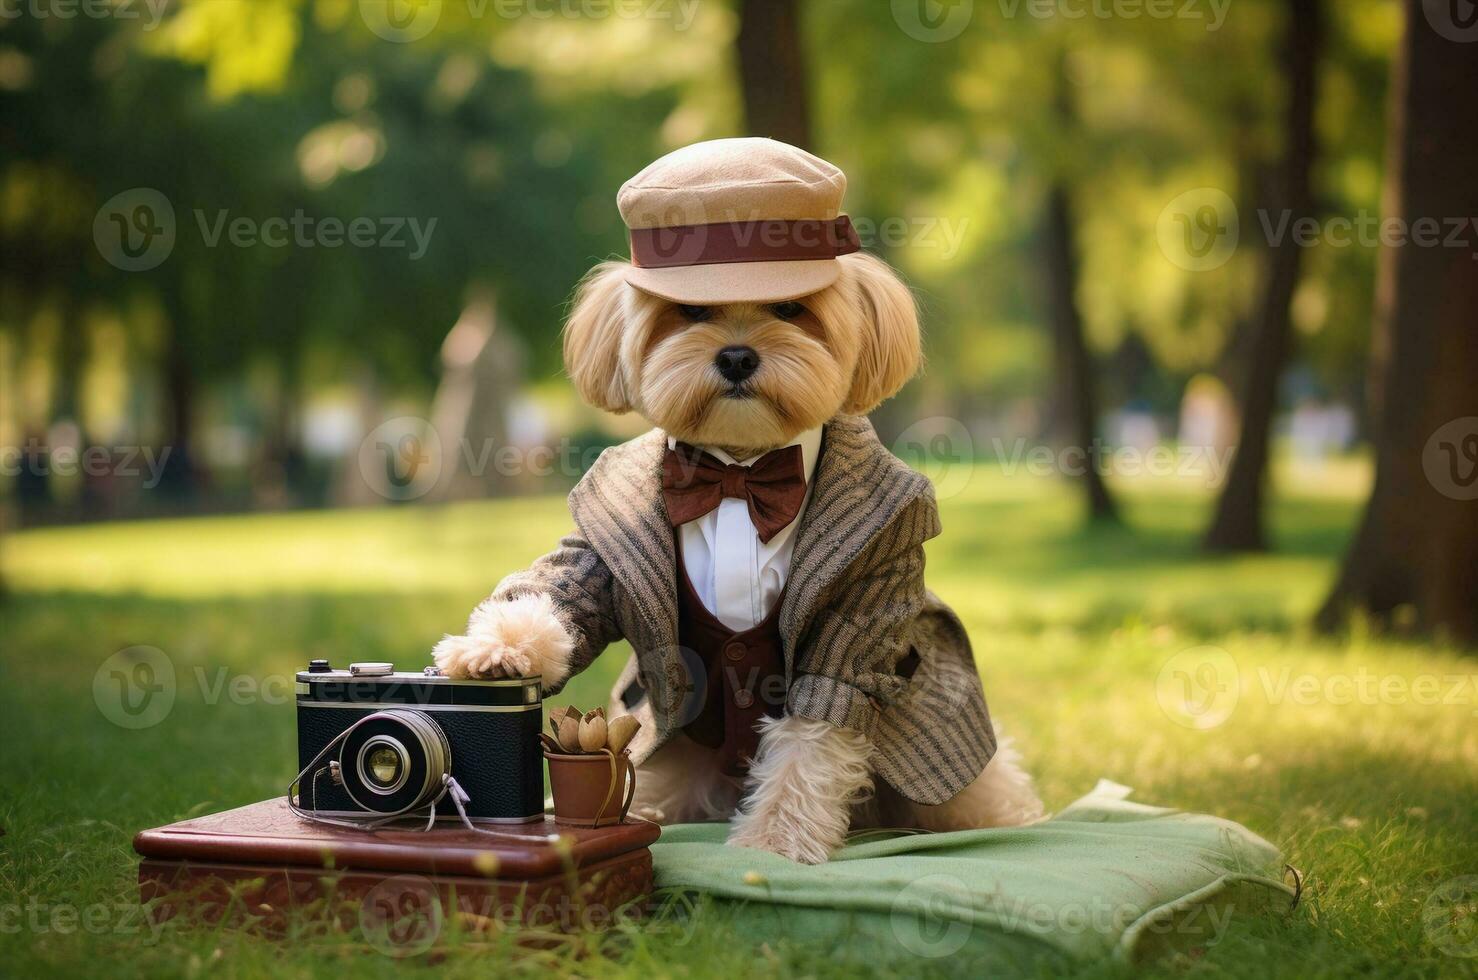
pixel 1077 392
pixel 1075 396
pixel 1414 560
pixel 1238 522
pixel 178 476
pixel 772 71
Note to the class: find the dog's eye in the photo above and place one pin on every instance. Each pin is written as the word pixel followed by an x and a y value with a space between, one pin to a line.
pixel 788 311
pixel 695 314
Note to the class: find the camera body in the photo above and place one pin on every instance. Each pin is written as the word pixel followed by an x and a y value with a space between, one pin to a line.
pixel 404 730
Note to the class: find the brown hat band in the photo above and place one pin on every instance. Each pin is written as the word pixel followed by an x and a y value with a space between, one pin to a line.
pixel 773 240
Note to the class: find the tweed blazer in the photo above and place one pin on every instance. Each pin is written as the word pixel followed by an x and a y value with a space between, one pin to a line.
pixel 865 645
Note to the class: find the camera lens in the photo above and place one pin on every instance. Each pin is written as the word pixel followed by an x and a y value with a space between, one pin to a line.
pixel 394 760
pixel 384 767
pixel 382 762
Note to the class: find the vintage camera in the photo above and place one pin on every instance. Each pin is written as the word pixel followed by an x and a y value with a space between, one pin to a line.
pixel 375 743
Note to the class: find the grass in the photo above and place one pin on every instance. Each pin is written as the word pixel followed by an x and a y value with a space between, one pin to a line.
pixel 1333 749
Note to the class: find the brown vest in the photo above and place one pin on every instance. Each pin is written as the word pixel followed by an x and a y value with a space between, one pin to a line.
pixel 743 676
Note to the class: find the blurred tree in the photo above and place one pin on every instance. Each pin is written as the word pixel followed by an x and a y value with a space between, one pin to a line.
pixel 1417 545
pixel 772 71
pixel 295 108
pixel 1238 521
pixel 956 136
pixel 1075 397
pixel 512 132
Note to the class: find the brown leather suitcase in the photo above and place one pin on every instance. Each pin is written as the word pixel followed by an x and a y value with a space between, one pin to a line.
pixel 259 863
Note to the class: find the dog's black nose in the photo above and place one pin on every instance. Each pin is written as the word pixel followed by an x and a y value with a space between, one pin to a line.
pixel 737 363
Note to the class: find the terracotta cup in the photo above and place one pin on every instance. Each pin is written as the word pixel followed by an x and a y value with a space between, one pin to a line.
pixel 591 790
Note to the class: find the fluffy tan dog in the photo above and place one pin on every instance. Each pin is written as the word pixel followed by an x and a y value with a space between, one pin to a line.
pixel 852 711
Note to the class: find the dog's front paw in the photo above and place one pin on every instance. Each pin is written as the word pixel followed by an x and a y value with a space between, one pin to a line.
pixel 779 836
pixel 519 637
pixel 465 657
pixel 801 787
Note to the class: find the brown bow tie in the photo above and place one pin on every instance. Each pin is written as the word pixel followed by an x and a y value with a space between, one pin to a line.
pixel 694 483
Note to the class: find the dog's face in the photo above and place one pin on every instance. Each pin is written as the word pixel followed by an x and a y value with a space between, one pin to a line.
pixel 744 376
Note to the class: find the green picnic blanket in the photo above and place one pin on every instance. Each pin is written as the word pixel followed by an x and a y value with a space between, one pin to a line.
pixel 1105 878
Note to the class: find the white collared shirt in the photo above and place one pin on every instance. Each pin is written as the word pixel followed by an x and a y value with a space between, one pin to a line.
pixel 737 576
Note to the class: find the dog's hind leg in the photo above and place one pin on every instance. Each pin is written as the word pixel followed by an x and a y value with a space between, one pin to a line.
pixel 682 783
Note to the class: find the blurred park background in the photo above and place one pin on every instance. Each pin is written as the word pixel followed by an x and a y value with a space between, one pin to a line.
pixel 279 377
pixel 314 253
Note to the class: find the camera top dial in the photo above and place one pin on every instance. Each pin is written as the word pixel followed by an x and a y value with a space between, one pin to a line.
pixel 371 668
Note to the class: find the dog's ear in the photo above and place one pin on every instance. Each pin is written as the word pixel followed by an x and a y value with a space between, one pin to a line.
pixel 890 352
pixel 592 338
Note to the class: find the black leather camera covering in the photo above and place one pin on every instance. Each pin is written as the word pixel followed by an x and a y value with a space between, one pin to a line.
pixel 496 758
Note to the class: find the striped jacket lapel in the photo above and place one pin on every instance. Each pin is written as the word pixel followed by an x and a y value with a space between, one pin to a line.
pixel 619 511
pixel 857 489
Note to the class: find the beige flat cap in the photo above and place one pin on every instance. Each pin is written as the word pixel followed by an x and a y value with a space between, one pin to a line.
pixel 736 220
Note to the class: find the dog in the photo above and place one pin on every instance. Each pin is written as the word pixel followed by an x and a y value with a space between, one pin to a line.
pixel 759 548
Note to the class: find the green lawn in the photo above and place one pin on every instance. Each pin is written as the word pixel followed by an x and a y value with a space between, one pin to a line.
pixel 1334 750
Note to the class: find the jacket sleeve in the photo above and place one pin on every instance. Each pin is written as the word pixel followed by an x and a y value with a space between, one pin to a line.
pixel 846 671
pixel 580 586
